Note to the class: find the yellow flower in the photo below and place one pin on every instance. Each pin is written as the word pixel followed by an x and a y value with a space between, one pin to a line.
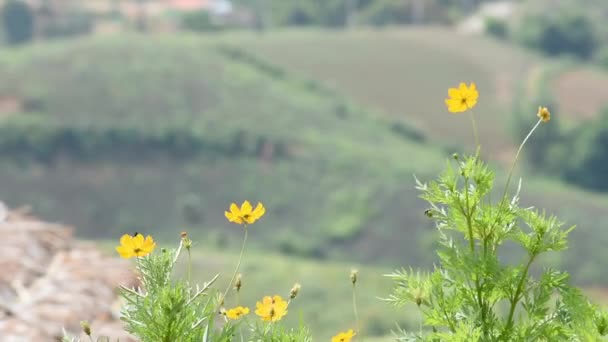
pixel 544 114
pixel 245 214
pixel 344 336
pixel 462 98
pixel 271 308
pixel 135 246
pixel 236 313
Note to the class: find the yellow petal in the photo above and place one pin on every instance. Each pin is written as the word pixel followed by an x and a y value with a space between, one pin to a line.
pixel 259 211
pixel 138 241
pixel 463 88
pixel 246 208
pixel 453 92
pixel 149 244
pixel 455 105
pixel 234 209
pixel 229 216
pixel 126 241
pixel 471 102
pixel 473 92
pixel 125 252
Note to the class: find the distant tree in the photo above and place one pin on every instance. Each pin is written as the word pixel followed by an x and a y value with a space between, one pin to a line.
pixel 18 20
pixel 564 33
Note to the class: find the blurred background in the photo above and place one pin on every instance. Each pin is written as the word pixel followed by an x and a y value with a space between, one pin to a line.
pixel 154 115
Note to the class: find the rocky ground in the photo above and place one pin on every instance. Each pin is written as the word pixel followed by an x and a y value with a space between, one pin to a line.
pixel 49 281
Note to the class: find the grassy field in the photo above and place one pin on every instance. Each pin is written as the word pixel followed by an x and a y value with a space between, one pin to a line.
pixel 406 72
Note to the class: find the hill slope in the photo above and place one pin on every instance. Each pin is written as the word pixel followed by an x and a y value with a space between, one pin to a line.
pixel 157 134
pixel 161 134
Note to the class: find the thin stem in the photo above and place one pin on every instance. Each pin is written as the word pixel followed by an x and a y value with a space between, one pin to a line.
pixel 474 123
pixel 238 265
pixel 189 267
pixel 504 194
pixel 357 322
pixel 516 298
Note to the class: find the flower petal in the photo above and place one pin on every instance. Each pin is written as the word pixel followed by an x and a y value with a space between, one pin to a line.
pixel 246 208
pixel 453 92
pixel 126 241
pixel 125 252
pixel 234 209
pixel 259 210
pixel 463 88
pixel 138 241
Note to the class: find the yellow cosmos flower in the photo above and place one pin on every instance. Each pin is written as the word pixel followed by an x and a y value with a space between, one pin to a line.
pixel 544 114
pixel 135 246
pixel 245 214
pixel 238 312
pixel 344 336
pixel 271 308
pixel 462 98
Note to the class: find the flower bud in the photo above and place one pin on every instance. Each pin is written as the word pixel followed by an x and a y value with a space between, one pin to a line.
pixel 544 114
pixel 353 276
pixel 86 327
pixel 238 283
pixel 295 290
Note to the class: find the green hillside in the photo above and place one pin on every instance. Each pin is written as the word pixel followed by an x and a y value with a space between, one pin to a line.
pixel 405 72
pixel 160 134
pixel 163 134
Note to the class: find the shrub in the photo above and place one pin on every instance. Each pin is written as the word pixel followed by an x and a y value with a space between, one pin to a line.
pixel 199 21
pixel 569 33
pixel 18 21
pixel 497 28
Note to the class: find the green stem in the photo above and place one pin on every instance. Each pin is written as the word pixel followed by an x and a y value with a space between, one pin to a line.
pixel 504 194
pixel 189 267
pixel 357 322
pixel 474 123
pixel 238 265
pixel 516 297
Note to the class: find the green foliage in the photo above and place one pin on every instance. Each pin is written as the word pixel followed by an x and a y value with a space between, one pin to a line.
pixel 567 32
pixel 18 21
pixel 72 23
pixel 339 13
pixel 170 310
pixel 497 28
pixel 586 163
pixel 198 21
pixel 474 295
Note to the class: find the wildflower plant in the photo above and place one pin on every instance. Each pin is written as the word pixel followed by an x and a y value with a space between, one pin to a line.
pixel 167 309
pixel 474 295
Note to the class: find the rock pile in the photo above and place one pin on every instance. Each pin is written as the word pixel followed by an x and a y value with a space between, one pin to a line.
pixel 49 281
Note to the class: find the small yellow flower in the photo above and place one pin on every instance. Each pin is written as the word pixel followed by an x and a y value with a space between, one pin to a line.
pixel 344 336
pixel 238 312
pixel 462 98
pixel 544 114
pixel 271 308
pixel 135 246
pixel 245 214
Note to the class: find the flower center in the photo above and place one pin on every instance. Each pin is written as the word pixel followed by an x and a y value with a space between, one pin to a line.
pixel 137 250
pixel 463 101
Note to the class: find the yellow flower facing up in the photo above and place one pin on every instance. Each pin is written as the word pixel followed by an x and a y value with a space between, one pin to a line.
pixel 245 214
pixel 544 114
pixel 462 98
pixel 271 308
pixel 238 312
pixel 135 246
pixel 344 336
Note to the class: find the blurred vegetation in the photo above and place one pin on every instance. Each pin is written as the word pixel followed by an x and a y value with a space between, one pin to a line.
pixel 110 157
pixel 18 21
pixel 341 13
